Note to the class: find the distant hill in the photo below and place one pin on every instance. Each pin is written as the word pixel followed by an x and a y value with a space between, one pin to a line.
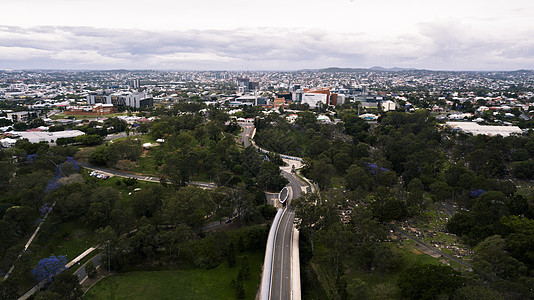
pixel 394 69
pixel 358 70
pixel 397 69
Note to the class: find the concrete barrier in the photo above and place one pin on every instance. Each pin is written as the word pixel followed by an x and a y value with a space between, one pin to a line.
pixel 266 278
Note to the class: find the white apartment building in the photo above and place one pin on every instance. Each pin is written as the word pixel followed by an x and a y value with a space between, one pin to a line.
pixel 313 99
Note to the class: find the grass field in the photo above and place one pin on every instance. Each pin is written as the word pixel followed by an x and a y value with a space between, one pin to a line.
pixel 179 284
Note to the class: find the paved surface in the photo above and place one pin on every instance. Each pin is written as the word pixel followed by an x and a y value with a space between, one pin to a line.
pixel 296 186
pixel 119 135
pixel 140 177
pixel 281 287
pixel 283 281
pixel 247 132
pixel 82 275
pixel 281 284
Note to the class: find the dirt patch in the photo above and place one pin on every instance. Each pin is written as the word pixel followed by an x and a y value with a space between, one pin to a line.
pixel 417 251
pixel 145 152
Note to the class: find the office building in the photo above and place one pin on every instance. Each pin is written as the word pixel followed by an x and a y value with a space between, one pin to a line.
pixel 129 99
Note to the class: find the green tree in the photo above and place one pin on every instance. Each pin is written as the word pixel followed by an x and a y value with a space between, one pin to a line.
pixel 308 213
pixel 188 205
pixel 147 201
pixel 388 209
pixel 173 240
pixel 429 281
pixel 342 162
pixel 269 177
pixel 245 268
pixel 321 173
pixel 523 169
pixel 231 255
pixel 90 269
pixel 99 156
pixel 441 191
pixel 477 292
pixel 67 286
pixel 144 242
pixel 493 262
pixel 8 290
pixel 357 178
pixel 520 242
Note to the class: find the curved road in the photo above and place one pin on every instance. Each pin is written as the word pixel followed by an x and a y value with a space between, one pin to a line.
pixel 207 185
pixel 247 131
pixel 281 277
pixel 281 281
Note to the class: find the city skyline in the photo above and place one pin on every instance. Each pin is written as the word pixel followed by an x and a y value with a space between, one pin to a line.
pixel 278 35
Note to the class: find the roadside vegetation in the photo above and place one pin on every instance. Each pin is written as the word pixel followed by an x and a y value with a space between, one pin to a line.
pixel 137 224
pixel 454 192
pixel 183 283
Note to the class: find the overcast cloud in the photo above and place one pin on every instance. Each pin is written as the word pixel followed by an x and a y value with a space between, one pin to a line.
pixel 272 35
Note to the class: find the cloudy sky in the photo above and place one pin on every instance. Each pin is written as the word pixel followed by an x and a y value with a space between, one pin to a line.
pixel 266 35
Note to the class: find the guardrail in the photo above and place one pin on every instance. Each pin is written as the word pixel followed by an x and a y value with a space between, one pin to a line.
pixel 266 279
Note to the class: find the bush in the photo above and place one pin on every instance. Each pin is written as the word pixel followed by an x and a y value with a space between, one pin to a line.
pixel 129 181
pixel 429 281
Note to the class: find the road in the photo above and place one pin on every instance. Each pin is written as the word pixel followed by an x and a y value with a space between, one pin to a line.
pixel 247 131
pixel 295 185
pixel 207 185
pixel 281 280
pixel 82 274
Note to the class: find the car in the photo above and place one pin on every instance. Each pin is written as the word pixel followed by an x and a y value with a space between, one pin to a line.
pixel 99 175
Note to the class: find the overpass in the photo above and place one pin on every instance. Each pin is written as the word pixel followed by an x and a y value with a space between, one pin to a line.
pixel 281 267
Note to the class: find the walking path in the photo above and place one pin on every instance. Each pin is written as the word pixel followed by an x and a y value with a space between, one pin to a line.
pixel 29 242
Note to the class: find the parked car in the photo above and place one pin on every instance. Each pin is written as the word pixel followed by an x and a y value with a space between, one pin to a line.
pixel 98 175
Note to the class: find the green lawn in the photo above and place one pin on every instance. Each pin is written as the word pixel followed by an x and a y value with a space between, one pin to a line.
pixel 179 284
pixel 146 165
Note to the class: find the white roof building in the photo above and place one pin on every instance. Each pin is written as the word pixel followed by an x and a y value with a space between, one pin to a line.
pixel 476 129
pixel 51 137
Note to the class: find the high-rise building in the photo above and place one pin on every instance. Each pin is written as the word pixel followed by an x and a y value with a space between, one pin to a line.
pixel 134 83
pixel 245 85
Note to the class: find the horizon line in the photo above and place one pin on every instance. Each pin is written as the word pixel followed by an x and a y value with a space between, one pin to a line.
pixel 374 68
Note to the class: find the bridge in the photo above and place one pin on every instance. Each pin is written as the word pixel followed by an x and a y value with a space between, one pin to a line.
pixel 281 267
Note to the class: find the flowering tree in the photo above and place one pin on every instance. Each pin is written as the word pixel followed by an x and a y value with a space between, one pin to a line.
pixel 47 268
